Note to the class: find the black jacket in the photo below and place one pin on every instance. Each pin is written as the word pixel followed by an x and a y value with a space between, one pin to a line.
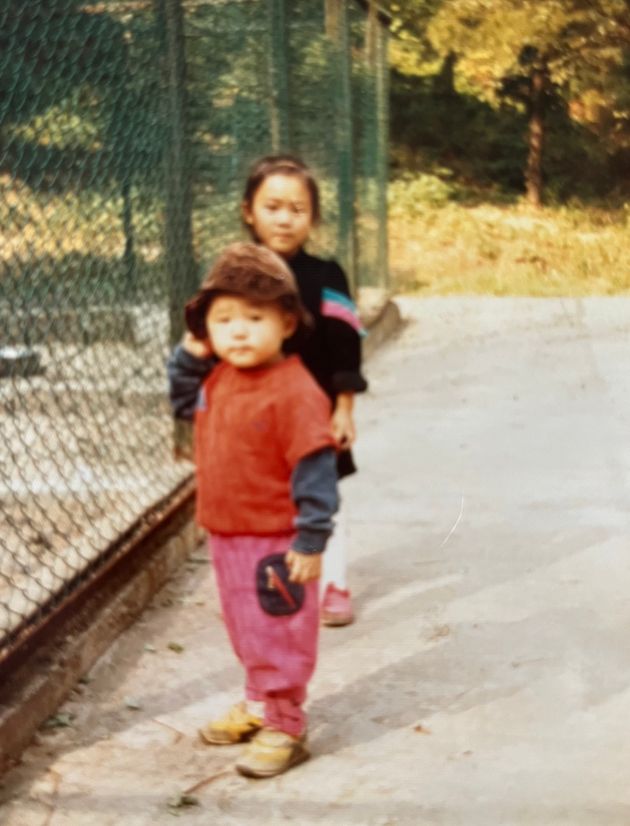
pixel 332 352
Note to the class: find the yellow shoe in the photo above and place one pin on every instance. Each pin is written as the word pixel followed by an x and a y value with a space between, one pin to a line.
pixel 272 752
pixel 236 726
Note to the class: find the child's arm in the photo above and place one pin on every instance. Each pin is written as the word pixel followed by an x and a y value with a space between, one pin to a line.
pixel 187 368
pixel 342 421
pixel 314 491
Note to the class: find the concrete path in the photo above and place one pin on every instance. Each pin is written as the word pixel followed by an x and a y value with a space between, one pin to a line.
pixel 487 679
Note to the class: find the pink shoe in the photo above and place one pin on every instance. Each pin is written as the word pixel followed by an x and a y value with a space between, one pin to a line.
pixel 336 606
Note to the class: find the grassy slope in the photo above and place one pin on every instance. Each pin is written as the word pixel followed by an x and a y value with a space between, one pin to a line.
pixel 509 250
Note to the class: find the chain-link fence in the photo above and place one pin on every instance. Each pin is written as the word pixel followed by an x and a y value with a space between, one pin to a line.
pixel 126 130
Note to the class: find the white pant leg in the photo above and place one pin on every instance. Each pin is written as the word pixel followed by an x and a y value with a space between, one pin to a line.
pixel 334 561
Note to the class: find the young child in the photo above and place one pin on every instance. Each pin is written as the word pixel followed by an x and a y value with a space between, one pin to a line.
pixel 280 207
pixel 266 472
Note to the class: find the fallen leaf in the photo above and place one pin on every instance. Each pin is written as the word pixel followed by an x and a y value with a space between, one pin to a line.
pixel 175 646
pixel 61 720
pixel 180 801
pixel 198 560
pixel 440 631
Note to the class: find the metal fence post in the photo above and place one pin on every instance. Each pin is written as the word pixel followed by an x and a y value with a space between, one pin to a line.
pixel 371 33
pixel 129 255
pixel 178 239
pixel 279 76
pixel 337 30
pixel 382 155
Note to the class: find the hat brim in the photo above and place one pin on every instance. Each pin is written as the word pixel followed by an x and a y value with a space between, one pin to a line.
pixel 196 310
pixel 195 313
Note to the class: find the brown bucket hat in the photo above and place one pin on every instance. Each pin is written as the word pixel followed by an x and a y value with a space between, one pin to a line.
pixel 250 270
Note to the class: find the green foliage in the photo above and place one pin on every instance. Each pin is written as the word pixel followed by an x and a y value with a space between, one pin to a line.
pixel 471 114
pixel 576 164
pixel 583 45
pixel 456 132
pixel 411 18
pixel 412 195
pixel 485 145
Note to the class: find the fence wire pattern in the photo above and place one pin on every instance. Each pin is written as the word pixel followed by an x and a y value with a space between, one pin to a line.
pixel 126 131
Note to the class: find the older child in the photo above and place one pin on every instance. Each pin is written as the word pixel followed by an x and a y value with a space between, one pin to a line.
pixel 281 205
pixel 266 472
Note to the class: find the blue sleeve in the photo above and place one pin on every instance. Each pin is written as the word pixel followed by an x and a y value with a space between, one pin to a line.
pixel 186 374
pixel 314 491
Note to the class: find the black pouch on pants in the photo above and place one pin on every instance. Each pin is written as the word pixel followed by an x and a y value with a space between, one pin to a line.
pixel 276 595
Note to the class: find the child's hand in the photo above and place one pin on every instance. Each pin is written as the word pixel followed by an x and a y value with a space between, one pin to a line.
pixel 201 349
pixel 303 567
pixel 343 429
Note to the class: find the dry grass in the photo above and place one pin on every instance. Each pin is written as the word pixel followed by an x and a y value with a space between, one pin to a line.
pixel 515 250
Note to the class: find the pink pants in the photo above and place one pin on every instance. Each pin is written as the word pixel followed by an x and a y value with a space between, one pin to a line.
pixel 278 652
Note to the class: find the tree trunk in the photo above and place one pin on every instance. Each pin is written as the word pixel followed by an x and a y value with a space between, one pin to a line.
pixel 279 77
pixel 444 81
pixel 536 134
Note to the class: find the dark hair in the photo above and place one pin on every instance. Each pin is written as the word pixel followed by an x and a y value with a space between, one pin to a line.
pixel 282 165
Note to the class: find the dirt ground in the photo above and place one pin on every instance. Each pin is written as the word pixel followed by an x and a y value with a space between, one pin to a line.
pixel 485 681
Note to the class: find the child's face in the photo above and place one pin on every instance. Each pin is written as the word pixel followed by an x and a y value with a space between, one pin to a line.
pixel 281 213
pixel 248 333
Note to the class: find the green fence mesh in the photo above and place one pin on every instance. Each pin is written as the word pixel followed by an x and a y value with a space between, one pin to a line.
pixel 126 130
